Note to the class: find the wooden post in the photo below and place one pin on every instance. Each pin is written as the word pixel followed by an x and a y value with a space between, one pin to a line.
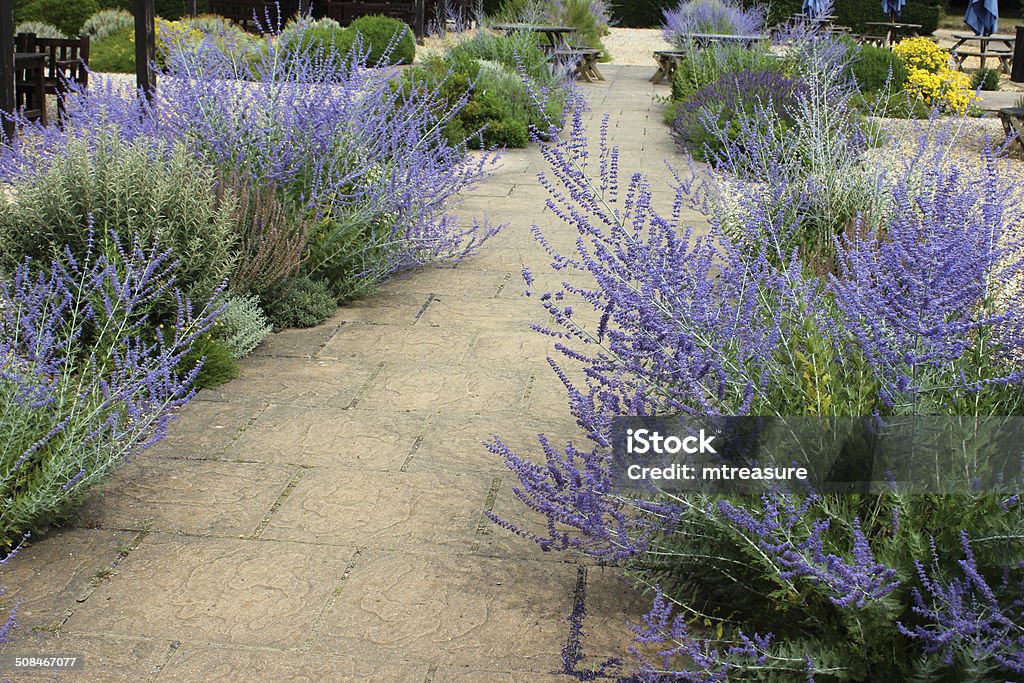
pixel 1017 74
pixel 7 99
pixel 421 20
pixel 145 46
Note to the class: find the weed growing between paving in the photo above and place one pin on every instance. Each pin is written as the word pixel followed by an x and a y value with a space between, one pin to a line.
pixel 916 313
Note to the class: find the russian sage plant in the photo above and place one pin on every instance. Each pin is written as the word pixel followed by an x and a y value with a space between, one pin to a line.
pixel 367 162
pixel 808 158
pixel 710 16
pixel 86 380
pixel 919 316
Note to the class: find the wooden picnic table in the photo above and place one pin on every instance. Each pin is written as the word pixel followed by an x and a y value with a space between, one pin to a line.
pixel 962 50
pixel 30 95
pixel 668 62
pixel 579 59
pixel 890 32
pixel 556 35
pixel 1013 123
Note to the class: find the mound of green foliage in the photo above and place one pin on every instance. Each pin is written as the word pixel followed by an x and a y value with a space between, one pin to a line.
pixel 385 40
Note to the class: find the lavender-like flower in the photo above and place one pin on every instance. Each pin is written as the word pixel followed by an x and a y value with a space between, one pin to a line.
pixel 711 16
pixel 964 617
pixel 85 382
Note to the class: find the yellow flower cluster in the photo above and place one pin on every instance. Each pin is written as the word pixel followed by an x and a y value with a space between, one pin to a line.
pixel 931 79
pixel 169 33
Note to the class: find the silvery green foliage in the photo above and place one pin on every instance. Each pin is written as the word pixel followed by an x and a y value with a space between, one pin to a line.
pixel 243 324
pixel 87 380
pixel 40 28
pixel 151 190
pixel 106 23
pixel 813 169
pixel 711 16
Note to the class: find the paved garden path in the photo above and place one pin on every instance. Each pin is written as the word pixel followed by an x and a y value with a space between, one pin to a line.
pixel 322 517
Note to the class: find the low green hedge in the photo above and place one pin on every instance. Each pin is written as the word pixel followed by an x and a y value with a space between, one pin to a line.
pixel 378 35
pixel 67 15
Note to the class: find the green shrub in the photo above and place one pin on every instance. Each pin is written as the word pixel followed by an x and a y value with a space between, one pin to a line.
pixel 41 29
pixel 499 102
pixel 321 39
pixel 243 324
pixel 115 53
pixel 118 187
pixel 300 302
pixel 67 16
pixel 876 69
pixel 703 67
pixel 985 79
pixel 385 40
pixel 219 364
pixel 107 22
pixel 898 104
pixel 215 25
pixel 351 252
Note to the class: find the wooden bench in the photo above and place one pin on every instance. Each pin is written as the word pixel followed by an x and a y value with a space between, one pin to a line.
pixel 1013 123
pixel 582 60
pixel 1004 57
pixel 66 61
pixel 668 62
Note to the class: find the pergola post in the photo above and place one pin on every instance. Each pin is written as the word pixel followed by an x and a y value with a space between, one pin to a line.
pixel 145 47
pixel 7 100
pixel 420 29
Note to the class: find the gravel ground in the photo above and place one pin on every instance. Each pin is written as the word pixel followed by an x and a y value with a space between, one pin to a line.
pixel 634 46
pixel 968 139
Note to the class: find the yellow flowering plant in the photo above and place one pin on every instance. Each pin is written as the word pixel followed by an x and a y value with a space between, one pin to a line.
pixel 931 78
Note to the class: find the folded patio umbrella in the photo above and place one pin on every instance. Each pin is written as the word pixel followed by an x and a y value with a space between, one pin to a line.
pixel 814 8
pixel 892 8
pixel 983 16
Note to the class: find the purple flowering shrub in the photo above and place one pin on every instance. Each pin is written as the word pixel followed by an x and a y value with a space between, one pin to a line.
pixel 367 163
pixel 711 117
pixel 710 16
pixel 919 316
pixel 87 381
pixel 8 612
pixel 805 163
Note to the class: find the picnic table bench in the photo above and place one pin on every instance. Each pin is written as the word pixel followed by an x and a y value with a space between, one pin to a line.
pixel 706 39
pixel 962 50
pixel 557 36
pixel 668 62
pixel 1013 123
pixel 582 61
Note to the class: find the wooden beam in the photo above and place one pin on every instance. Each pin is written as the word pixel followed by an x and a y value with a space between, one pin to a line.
pixel 7 100
pixel 420 20
pixel 145 46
